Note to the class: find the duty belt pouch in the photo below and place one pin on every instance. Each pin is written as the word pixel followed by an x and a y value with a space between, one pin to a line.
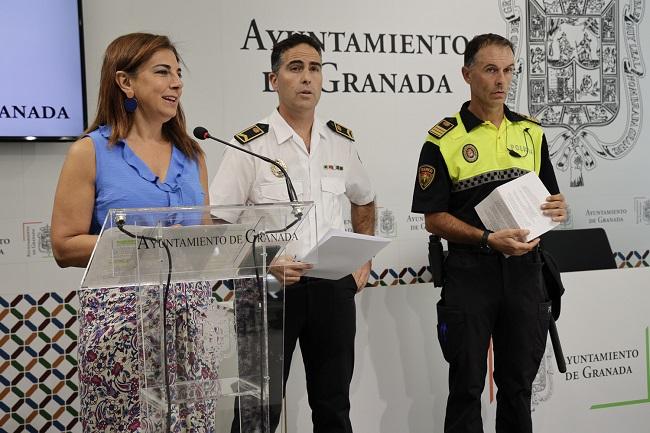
pixel 553 282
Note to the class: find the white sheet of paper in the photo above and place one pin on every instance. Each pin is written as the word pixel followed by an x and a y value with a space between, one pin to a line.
pixel 340 253
pixel 516 205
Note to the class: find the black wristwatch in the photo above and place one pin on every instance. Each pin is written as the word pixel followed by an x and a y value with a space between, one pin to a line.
pixel 484 240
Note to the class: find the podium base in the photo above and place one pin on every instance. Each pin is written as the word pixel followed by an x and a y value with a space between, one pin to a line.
pixel 195 391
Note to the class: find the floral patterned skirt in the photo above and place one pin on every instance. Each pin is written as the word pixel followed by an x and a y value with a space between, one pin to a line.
pixel 111 353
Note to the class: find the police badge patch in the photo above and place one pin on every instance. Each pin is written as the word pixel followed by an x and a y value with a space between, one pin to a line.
pixel 426 173
pixel 470 153
pixel 275 170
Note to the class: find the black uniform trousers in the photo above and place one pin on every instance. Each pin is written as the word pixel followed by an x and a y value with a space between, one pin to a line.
pixel 488 295
pixel 320 315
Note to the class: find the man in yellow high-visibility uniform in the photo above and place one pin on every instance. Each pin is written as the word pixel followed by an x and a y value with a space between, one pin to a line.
pixel 486 294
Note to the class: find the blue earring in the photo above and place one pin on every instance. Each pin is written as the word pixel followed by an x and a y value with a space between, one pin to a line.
pixel 130 104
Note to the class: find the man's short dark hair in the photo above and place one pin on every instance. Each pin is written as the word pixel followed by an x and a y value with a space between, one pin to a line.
pixel 288 43
pixel 480 41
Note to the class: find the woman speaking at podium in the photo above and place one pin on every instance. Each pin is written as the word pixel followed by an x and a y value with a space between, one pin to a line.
pixel 135 154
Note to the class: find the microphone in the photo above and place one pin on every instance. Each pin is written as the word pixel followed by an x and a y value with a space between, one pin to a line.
pixel 532 142
pixel 201 133
pixel 120 219
pixel 516 154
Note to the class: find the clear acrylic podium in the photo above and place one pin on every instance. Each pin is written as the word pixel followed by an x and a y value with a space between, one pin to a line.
pixel 218 367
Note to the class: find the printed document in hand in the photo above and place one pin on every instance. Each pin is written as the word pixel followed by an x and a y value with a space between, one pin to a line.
pixel 516 205
pixel 340 253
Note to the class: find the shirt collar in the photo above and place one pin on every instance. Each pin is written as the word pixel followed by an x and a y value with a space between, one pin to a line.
pixel 281 128
pixel 511 115
pixel 471 121
pixel 283 131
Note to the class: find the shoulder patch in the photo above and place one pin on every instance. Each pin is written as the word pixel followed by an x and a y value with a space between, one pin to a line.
pixel 443 127
pixel 340 129
pixel 251 133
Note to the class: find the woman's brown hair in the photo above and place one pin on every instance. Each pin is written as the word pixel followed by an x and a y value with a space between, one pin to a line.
pixel 127 53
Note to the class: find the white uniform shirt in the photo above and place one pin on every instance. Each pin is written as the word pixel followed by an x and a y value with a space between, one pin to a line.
pixel 331 170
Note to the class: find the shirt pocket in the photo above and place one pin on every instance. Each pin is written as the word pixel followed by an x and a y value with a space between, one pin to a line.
pixel 333 185
pixel 333 189
pixel 277 191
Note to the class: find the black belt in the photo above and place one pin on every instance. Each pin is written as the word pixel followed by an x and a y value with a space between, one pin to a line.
pixel 470 248
pixel 477 249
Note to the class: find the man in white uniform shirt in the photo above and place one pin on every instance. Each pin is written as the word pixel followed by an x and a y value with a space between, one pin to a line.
pixel 325 168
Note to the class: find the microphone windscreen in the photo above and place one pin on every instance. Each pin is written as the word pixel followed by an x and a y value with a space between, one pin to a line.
pixel 201 133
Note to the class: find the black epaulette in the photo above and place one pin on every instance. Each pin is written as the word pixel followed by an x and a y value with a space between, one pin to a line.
pixel 251 133
pixel 443 127
pixel 340 129
pixel 518 117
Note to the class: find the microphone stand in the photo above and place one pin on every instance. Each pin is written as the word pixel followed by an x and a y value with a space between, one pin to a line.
pixel 202 133
pixel 120 220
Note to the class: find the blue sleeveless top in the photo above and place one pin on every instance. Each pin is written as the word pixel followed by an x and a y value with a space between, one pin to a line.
pixel 123 180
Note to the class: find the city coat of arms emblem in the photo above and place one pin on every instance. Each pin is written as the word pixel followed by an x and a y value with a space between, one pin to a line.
pixel 578 80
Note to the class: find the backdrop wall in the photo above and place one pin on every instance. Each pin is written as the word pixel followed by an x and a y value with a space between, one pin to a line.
pixel 391 72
